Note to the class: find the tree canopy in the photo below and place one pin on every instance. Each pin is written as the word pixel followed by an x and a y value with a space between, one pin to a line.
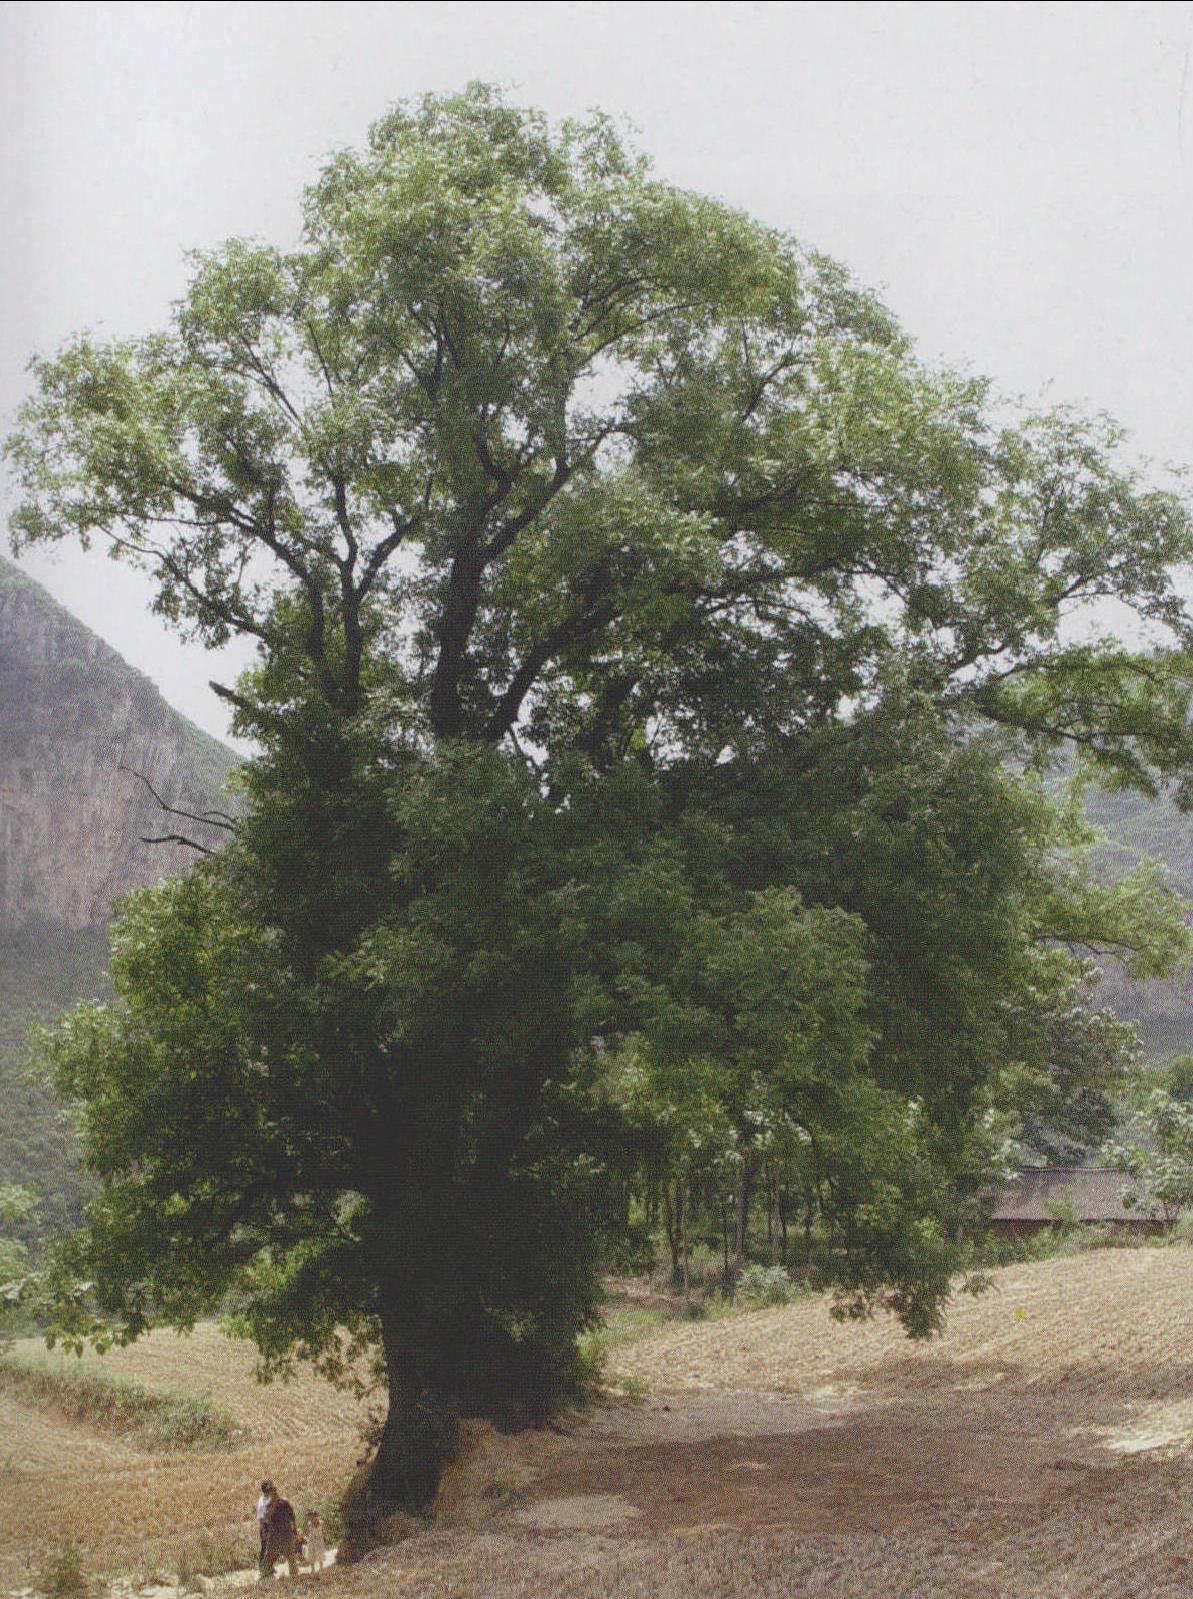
pixel 652 654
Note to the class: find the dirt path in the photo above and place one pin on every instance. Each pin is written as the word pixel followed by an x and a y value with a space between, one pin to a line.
pixel 859 1476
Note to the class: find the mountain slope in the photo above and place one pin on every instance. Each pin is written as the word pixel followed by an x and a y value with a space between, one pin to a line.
pixel 77 726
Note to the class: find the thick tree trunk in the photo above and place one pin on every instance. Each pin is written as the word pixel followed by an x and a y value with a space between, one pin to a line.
pixel 417 1442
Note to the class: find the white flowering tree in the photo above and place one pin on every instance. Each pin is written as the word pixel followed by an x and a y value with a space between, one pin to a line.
pixel 1156 1148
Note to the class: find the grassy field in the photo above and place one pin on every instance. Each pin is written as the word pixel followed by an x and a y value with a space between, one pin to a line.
pixel 1042 1448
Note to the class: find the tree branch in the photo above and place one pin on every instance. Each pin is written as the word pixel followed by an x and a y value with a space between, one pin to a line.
pixel 569 631
pixel 219 819
pixel 176 838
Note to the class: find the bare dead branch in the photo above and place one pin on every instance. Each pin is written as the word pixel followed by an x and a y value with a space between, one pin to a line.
pixel 219 819
pixel 176 838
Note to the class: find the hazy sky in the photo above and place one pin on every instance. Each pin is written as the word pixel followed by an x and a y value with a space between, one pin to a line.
pixel 1016 180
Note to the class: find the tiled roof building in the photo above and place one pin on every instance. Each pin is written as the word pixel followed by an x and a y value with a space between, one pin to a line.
pixel 1040 1196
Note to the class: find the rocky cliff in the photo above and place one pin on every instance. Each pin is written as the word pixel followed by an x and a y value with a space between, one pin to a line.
pixel 77 726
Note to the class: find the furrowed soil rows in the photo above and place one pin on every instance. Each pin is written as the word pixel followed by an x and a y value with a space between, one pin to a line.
pixel 1042 1447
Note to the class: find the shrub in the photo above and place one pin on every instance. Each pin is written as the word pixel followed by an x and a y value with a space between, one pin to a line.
pixel 635 1252
pixel 1008 1250
pixel 590 1363
pixel 186 1572
pixel 620 1327
pixel 1051 1242
pixel 207 1556
pixel 332 1518
pixel 1098 1235
pixel 633 1388
pixel 62 1574
pixel 714 1306
pixel 151 1419
pixel 765 1285
pixel 1180 1232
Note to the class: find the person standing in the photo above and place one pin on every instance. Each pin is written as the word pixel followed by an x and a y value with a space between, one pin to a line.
pixel 262 1509
pixel 316 1547
pixel 281 1534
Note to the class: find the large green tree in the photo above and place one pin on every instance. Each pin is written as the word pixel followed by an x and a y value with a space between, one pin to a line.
pixel 645 640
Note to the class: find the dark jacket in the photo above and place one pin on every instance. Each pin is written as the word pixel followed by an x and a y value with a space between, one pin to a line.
pixel 281 1525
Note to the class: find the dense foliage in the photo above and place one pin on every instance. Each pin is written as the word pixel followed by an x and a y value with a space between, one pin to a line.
pixel 44 970
pixel 1156 1149
pixel 649 651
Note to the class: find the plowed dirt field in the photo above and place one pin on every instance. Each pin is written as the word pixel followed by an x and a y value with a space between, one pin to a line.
pixel 1041 1449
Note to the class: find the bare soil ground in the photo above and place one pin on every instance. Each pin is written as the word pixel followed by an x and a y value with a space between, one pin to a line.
pixel 1042 1449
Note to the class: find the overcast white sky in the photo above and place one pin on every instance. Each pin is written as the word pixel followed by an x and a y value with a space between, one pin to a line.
pixel 1015 179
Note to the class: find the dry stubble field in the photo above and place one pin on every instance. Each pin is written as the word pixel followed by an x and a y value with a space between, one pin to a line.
pixel 1042 1449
